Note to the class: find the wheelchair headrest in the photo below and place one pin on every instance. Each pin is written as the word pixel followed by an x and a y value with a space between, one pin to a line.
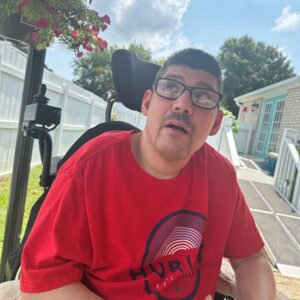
pixel 132 76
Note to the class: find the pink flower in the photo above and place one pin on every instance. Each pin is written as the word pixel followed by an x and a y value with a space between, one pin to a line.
pixel 85 43
pixel 103 27
pixel 99 40
pixel 74 33
pixel 75 46
pixel 48 8
pixel 22 5
pixel 106 19
pixel 42 23
pixel 94 31
pixel 104 45
pixel 54 20
pixel 20 8
pixel 79 54
pixel 88 48
pixel 35 37
pixel 57 32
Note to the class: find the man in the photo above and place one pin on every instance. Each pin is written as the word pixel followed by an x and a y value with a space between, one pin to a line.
pixel 150 215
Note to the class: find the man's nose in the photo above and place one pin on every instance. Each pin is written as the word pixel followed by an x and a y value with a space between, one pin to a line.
pixel 184 103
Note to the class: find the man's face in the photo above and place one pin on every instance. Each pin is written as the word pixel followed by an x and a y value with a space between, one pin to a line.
pixel 176 129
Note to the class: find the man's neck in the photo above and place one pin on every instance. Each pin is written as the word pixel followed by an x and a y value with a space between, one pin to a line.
pixel 152 162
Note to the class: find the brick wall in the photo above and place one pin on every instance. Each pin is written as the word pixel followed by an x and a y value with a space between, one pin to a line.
pixel 291 114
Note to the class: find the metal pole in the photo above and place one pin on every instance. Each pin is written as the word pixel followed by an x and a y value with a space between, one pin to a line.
pixel 22 158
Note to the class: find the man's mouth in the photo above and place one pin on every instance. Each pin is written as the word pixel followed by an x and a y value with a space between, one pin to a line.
pixel 177 127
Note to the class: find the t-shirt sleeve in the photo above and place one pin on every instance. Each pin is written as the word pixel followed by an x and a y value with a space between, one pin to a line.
pixel 244 238
pixel 59 246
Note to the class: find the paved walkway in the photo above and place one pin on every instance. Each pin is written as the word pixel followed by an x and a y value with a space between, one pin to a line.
pixel 278 223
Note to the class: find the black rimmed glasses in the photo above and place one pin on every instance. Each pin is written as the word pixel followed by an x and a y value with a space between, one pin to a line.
pixel 201 97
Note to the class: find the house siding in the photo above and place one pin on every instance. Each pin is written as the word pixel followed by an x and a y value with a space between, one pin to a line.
pixel 290 118
pixel 291 114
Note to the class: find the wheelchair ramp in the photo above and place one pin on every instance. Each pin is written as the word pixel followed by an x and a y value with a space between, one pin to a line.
pixel 278 223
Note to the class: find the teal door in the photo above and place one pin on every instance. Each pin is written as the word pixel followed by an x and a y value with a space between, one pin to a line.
pixel 268 127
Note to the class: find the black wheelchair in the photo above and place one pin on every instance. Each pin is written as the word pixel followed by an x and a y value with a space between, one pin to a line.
pixel 131 77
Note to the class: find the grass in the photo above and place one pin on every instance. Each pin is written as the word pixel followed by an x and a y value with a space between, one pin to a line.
pixel 33 192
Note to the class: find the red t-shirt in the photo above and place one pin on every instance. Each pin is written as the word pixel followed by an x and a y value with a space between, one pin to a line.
pixel 128 235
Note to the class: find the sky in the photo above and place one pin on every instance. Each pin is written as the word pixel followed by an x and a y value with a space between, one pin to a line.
pixel 164 26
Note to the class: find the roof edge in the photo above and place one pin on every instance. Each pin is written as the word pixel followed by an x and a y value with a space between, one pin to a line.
pixel 278 87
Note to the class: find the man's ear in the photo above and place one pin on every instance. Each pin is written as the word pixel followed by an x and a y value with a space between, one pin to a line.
pixel 217 124
pixel 146 102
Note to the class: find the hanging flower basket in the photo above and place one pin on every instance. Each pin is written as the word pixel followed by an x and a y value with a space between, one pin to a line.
pixel 72 22
pixel 15 28
pixel 245 109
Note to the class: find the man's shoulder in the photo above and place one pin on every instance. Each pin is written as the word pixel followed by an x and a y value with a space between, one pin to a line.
pixel 215 159
pixel 107 140
pixel 96 149
pixel 216 166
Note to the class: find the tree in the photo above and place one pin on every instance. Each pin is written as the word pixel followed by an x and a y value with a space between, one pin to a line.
pixel 93 72
pixel 248 65
pixel 140 51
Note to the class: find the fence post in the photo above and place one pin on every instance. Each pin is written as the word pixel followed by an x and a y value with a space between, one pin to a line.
pixel 278 169
pixel 296 195
pixel 59 130
pixel 1 65
pixel 91 111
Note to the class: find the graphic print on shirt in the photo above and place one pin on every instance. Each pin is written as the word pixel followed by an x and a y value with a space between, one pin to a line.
pixel 170 266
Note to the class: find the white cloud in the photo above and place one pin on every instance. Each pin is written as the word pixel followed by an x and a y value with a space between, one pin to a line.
pixel 288 54
pixel 283 51
pixel 156 24
pixel 288 20
pixel 173 42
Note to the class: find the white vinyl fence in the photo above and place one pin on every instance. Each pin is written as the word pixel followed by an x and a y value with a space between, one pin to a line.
pixel 287 173
pixel 80 110
pixel 224 142
pixel 243 138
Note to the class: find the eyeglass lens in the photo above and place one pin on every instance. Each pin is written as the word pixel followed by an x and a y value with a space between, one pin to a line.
pixel 172 89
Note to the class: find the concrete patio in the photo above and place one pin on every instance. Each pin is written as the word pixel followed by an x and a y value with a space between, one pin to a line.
pixel 277 221
pixel 279 225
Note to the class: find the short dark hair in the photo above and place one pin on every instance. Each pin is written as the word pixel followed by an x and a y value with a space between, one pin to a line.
pixel 195 59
